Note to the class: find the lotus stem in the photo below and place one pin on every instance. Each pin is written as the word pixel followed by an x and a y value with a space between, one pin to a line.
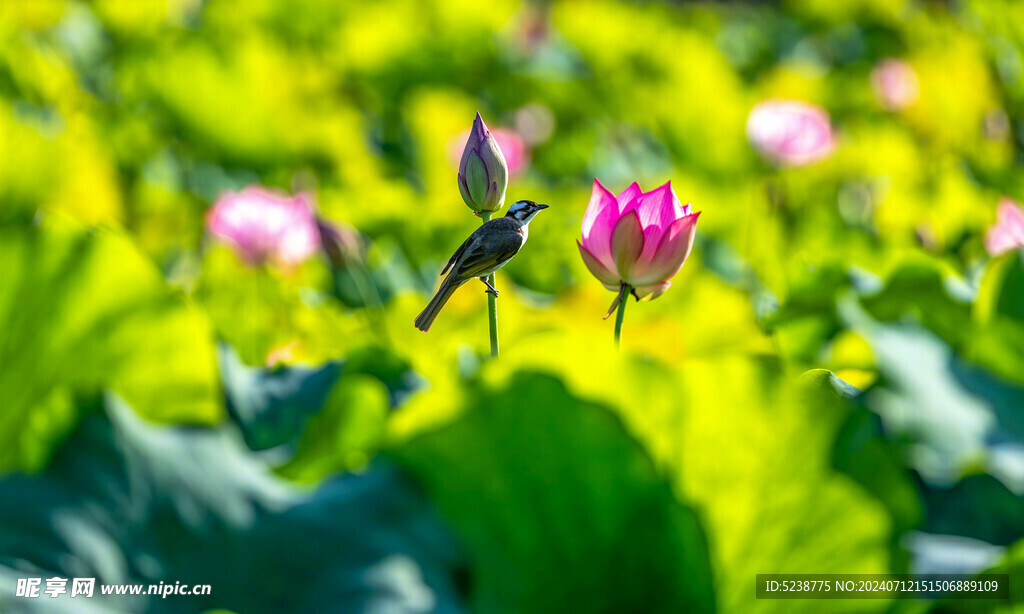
pixel 623 296
pixel 492 302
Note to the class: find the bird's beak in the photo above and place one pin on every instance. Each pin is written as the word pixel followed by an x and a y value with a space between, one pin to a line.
pixel 540 206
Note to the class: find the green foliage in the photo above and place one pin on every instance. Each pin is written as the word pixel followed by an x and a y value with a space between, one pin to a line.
pixel 344 433
pixel 559 507
pixel 84 311
pixel 139 503
pixel 271 405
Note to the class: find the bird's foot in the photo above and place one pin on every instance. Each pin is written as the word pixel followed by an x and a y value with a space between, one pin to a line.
pixel 490 289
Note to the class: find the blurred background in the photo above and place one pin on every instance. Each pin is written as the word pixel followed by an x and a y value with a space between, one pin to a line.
pixel 833 384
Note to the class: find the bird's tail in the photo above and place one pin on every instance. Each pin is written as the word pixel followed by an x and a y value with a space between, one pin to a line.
pixel 426 317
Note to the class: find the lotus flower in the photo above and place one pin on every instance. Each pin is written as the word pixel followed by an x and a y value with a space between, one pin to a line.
pixel 640 239
pixel 483 172
pixel 790 132
pixel 263 225
pixel 1007 233
pixel 895 84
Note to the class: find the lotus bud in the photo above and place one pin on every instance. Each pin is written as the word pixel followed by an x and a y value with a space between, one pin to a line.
pixel 483 173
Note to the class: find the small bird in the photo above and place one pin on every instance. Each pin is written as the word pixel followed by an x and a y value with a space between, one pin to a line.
pixel 488 249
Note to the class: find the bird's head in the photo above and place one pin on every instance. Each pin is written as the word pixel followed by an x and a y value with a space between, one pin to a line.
pixel 524 210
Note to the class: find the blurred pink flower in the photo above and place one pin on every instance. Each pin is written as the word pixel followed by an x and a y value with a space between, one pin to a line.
pixel 790 132
pixel 1007 233
pixel 517 154
pixel 895 84
pixel 512 145
pixel 638 238
pixel 264 225
pixel 535 123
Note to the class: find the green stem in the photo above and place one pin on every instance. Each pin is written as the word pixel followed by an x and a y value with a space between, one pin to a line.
pixel 623 297
pixel 492 302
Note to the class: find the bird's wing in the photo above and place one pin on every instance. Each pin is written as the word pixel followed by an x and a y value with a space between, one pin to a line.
pixel 458 253
pixel 485 255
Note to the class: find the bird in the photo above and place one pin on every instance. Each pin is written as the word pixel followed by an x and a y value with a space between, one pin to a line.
pixel 489 248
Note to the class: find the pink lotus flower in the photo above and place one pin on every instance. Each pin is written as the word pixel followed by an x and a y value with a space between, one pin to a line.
pixel 1007 233
pixel 264 225
pixel 790 132
pixel 640 239
pixel 895 84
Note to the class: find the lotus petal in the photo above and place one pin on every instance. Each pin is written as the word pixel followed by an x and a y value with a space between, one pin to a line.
pixel 670 254
pixel 627 243
pixel 658 209
pixel 626 198
pixel 597 268
pixel 598 221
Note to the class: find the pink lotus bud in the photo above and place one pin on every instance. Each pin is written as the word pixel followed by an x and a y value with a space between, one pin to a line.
pixel 262 225
pixel 895 84
pixel 790 132
pixel 638 238
pixel 1007 233
pixel 483 172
